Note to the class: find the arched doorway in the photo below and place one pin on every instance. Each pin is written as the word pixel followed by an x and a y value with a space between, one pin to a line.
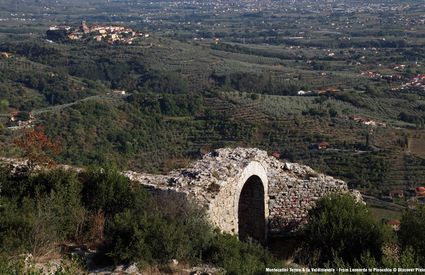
pixel 251 211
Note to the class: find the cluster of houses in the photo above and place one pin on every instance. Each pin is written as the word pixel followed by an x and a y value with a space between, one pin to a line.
pixel 109 34
pixel 21 120
pixel 367 121
pixel 378 76
pixel 414 196
pixel 417 82
pixel 417 192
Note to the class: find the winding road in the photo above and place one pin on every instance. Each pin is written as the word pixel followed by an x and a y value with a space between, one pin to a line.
pixel 56 108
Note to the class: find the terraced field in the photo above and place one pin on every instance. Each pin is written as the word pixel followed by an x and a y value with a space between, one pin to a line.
pixel 417 145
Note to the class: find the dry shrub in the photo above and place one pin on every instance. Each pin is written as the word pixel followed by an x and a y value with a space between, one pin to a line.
pixel 97 225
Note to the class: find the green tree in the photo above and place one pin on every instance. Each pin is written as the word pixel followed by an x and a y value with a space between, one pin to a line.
pixel 238 257
pixel 105 189
pixel 341 228
pixel 412 232
pixel 4 104
pixel 63 207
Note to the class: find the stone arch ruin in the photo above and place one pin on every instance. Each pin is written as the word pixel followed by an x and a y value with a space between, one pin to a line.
pixel 245 191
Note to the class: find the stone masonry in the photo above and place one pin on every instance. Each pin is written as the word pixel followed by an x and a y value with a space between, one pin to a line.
pixel 215 183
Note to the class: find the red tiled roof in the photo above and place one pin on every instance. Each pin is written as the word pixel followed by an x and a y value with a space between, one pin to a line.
pixel 393 222
pixel 276 154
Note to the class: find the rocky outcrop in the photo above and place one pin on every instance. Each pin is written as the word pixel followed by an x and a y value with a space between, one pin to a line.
pixel 215 182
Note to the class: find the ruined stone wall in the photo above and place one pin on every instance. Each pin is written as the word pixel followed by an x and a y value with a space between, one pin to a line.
pixel 215 183
pixel 221 209
pixel 293 193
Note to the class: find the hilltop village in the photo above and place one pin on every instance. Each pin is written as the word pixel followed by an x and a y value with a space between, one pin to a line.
pixel 109 34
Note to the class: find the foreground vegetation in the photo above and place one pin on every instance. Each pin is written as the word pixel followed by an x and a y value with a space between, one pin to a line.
pixel 45 212
pixel 343 233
